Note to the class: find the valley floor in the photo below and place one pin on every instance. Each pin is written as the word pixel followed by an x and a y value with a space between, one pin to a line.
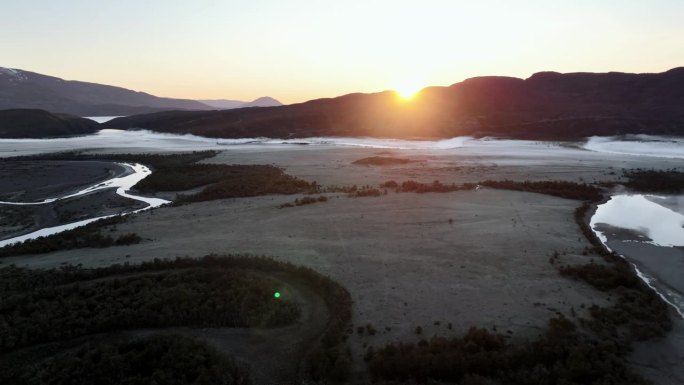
pixel 439 261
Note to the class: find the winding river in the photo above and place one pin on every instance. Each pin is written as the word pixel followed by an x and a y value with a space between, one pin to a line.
pixel 653 243
pixel 122 185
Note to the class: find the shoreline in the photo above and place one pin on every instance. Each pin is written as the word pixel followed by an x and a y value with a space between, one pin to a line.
pixel 647 279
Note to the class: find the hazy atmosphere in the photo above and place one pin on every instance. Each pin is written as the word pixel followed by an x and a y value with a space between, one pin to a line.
pixel 341 193
pixel 300 50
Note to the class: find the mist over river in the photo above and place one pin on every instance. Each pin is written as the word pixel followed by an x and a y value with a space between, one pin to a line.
pixel 148 141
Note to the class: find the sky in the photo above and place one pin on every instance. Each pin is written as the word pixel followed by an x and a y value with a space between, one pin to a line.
pixel 297 50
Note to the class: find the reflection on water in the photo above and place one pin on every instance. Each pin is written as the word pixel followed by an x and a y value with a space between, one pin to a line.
pixel 648 215
pixel 642 214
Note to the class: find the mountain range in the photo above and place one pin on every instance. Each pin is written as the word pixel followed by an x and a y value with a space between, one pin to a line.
pixel 21 89
pixel 227 104
pixel 547 105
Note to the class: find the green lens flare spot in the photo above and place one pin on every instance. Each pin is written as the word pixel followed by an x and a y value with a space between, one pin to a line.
pixel 276 294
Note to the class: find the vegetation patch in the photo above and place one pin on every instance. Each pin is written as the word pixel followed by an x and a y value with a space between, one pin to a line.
pixel 39 306
pixel 14 219
pixel 639 313
pixel 381 161
pixel 562 189
pixel 159 359
pixel 602 277
pixel 198 297
pixel 304 201
pixel 249 181
pixel 664 181
pixel 417 187
pixel 561 356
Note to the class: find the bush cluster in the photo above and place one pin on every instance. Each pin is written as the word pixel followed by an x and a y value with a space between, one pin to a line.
pixel 561 356
pixel 18 217
pixel 562 189
pixel 664 181
pixel 193 297
pixel 381 161
pixel 328 359
pixel 602 277
pixel 159 359
pixel 304 201
pixel 368 191
pixel 248 181
pixel 417 187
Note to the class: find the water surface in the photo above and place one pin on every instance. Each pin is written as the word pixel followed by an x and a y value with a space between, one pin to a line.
pixel 647 230
pixel 122 185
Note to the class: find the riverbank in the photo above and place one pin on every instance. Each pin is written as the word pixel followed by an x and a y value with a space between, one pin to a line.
pixel 37 180
pixel 660 360
pixel 74 209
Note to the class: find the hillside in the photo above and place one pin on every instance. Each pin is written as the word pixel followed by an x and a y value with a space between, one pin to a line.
pixel 24 89
pixel 227 104
pixel 547 105
pixel 24 123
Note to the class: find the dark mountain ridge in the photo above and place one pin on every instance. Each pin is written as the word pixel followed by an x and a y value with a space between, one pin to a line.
pixel 24 89
pixel 27 123
pixel 547 105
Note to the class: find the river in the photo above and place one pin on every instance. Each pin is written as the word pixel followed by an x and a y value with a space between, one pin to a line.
pixel 122 185
pixel 648 231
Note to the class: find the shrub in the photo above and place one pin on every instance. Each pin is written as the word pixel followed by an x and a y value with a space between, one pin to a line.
pixel 163 359
pixel 560 356
pixel 562 189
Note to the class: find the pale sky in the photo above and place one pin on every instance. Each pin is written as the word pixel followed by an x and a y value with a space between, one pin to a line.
pixel 296 50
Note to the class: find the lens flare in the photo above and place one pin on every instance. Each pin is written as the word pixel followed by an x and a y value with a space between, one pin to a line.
pixel 408 90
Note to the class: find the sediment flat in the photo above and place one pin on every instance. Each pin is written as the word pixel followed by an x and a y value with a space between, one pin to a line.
pixel 30 181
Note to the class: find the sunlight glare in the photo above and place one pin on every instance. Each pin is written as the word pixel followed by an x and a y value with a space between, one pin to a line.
pixel 408 90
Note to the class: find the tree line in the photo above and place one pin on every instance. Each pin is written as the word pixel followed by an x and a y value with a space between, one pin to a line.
pixel 663 181
pixel 170 359
pixel 562 355
pixel 197 297
pixel 202 301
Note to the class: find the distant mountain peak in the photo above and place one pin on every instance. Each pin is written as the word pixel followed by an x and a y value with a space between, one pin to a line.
pixel 264 101
pixel 21 89
pixel 229 104
pixel 13 73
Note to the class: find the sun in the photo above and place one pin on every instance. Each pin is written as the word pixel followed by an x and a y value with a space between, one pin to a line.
pixel 408 90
